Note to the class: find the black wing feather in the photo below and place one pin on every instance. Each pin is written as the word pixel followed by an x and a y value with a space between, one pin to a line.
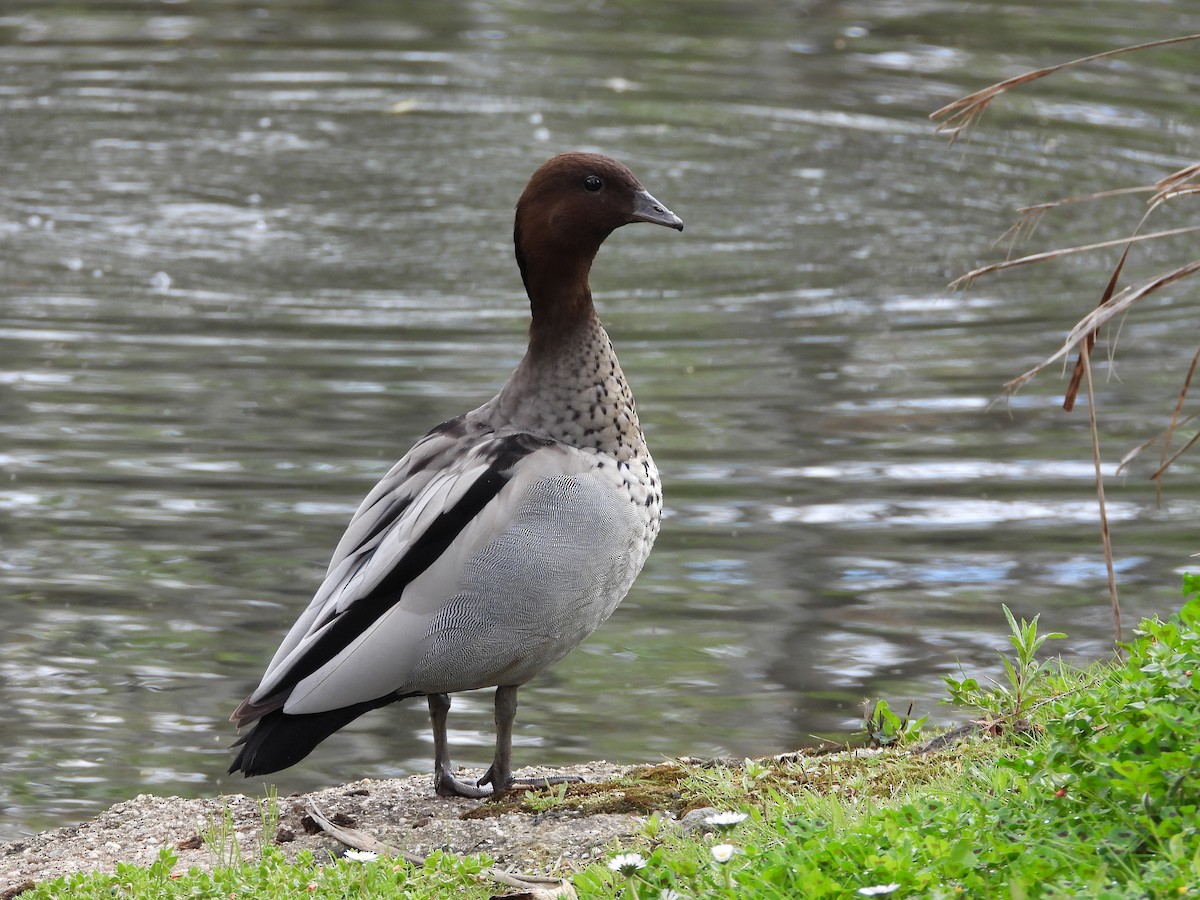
pixel 363 613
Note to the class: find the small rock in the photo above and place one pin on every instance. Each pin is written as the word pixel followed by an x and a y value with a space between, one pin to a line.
pixel 696 822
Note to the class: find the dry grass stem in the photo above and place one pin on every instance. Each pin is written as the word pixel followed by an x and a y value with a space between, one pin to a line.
pixel 1031 216
pixel 1090 342
pixel 1187 173
pixel 1163 196
pixel 1021 230
pixel 957 117
pixel 965 280
pixel 1084 198
pixel 965 111
pixel 1177 184
pixel 1101 315
pixel 1157 474
pixel 1163 461
pixel 1133 454
pixel 1105 536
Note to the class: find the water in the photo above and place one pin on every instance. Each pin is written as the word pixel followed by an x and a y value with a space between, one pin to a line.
pixel 250 253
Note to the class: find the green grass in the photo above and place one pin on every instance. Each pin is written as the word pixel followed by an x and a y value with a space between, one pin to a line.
pixel 1079 783
pixel 271 876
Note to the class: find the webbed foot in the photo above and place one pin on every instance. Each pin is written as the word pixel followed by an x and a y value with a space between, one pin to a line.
pixel 446 785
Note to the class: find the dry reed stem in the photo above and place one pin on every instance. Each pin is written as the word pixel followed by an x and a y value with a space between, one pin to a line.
pixel 1133 454
pixel 962 113
pixel 1105 536
pixel 1103 314
pixel 1158 473
pixel 965 280
pixel 1090 341
pixel 1163 462
pixel 1084 198
pixel 1177 184
pixel 958 116
pixel 1173 181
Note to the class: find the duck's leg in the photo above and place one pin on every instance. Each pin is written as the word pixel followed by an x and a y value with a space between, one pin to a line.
pixel 444 782
pixel 500 775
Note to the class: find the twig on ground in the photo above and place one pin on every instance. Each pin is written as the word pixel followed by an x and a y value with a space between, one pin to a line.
pixel 539 887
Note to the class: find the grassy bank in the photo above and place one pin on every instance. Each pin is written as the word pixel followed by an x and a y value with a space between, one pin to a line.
pixel 1071 783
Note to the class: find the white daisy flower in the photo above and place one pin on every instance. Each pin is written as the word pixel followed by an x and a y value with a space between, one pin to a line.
pixel 670 894
pixel 362 855
pixel 722 853
pixel 723 821
pixel 877 889
pixel 627 863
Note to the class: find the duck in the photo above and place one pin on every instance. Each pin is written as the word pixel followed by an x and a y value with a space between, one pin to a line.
pixel 504 537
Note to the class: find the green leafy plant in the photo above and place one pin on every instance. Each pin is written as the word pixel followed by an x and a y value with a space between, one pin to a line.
pixel 220 839
pixel 269 815
pixel 1008 700
pixel 654 826
pixel 1131 743
pixel 545 799
pixel 1101 801
pixel 753 771
pixel 884 728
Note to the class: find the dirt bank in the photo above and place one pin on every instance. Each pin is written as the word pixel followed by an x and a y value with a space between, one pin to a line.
pixel 403 812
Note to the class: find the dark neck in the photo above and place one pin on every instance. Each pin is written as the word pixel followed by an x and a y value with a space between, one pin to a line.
pixel 556 280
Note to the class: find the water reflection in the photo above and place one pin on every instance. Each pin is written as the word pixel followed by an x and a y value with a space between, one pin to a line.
pixel 251 255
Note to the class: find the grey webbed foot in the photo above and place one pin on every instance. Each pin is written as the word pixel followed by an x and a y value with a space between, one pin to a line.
pixel 499 774
pixel 446 785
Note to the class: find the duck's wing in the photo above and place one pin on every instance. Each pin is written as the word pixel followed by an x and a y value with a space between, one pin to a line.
pixel 426 519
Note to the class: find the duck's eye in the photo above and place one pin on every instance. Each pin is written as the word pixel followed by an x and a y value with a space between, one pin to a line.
pixel 592 183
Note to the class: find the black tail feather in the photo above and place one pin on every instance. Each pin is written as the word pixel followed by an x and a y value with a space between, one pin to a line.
pixel 279 740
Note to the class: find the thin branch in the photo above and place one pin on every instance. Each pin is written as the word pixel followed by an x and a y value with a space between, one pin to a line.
pixel 539 886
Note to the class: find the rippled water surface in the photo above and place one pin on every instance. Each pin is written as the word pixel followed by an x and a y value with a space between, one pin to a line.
pixel 252 251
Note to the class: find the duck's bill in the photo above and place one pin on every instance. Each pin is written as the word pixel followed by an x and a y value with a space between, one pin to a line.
pixel 647 209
